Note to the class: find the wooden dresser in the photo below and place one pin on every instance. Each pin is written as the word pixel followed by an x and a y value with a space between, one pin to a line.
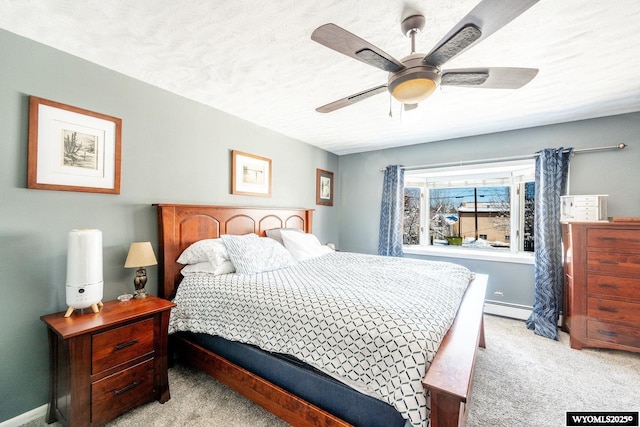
pixel 103 364
pixel 602 284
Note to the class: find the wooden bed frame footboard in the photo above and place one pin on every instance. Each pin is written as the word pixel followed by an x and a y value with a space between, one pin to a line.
pixel 448 380
pixel 449 377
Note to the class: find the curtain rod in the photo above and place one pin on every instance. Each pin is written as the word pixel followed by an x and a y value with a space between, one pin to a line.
pixel 505 159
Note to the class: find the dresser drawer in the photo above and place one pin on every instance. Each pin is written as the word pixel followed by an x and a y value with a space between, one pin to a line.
pixel 615 286
pixel 608 309
pixel 613 263
pixel 613 334
pixel 120 392
pixel 120 345
pixel 624 239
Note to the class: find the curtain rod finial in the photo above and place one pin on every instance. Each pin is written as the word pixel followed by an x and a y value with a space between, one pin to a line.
pixel 621 146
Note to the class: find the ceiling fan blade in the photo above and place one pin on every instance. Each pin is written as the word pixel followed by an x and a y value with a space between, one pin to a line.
pixel 335 105
pixel 490 78
pixel 485 19
pixel 341 40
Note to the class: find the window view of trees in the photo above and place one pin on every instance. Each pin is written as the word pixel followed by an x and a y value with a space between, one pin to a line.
pixel 443 215
pixel 483 206
pixel 478 217
pixel 529 215
pixel 411 216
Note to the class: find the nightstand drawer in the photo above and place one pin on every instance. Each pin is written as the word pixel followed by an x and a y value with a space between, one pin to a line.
pixel 120 345
pixel 615 334
pixel 120 392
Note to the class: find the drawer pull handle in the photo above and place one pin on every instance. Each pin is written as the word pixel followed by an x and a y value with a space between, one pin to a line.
pixel 607 333
pixel 608 309
pixel 127 388
pixel 607 238
pixel 126 344
pixel 606 261
pixel 608 285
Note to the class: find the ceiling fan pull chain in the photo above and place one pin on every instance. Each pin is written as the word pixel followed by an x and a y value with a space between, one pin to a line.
pixel 390 105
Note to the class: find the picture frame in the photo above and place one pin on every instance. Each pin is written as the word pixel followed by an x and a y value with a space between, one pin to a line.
pixel 72 149
pixel 324 187
pixel 250 174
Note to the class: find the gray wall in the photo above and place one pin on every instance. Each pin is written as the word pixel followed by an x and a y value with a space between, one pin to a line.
pixel 609 172
pixel 173 150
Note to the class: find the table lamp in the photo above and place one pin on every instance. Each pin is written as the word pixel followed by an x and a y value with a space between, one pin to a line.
pixel 140 256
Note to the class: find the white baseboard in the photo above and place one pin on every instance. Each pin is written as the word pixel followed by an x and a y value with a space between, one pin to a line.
pixel 513 311
pixel 27 417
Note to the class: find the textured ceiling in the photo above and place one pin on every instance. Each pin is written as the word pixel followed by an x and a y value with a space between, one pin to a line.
pixel 255 60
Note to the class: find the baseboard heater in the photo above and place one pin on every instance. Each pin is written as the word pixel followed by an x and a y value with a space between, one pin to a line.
pixel 514 311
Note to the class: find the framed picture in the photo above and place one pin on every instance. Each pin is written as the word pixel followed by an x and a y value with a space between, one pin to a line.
pixel 72 149
pixel 324 187
pixel 250 175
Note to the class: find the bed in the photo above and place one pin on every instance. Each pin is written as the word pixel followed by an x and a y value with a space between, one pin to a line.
pixel 448 379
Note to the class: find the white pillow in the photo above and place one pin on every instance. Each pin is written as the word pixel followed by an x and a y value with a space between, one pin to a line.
pixel 206 267
pixel 274 233
pixel 251 254
pixel 206 250
pixel 303 245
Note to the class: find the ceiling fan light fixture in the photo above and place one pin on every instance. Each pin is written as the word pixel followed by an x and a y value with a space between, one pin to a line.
pixel 416 82
pixel 414 91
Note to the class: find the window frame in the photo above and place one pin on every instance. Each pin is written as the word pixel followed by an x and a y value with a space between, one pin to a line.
pixel 516 173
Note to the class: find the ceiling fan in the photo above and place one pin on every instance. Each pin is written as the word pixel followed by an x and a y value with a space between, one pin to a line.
pixel 413 78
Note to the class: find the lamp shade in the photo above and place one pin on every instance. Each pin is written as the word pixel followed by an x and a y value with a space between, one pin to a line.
pixel 140 255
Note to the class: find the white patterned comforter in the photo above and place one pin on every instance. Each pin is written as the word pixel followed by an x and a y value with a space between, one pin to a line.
pixel 374 323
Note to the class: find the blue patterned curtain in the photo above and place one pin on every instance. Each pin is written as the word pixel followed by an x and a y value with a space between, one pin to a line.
pixel 552 170
pixel 391 212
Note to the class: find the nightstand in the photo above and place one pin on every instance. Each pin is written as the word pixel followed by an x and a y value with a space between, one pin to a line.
pixel 104 364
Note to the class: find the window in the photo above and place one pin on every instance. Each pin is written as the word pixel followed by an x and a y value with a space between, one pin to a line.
pixel 488 207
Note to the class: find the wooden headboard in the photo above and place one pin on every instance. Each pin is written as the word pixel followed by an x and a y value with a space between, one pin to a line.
pixel 181 225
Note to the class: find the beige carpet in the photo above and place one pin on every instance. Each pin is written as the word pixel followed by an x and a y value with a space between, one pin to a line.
pixel 520 379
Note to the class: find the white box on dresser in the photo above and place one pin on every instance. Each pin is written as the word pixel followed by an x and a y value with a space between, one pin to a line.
pixel 583 208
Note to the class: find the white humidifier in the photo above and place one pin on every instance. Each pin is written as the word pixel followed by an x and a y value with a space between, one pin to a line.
pixel 84 270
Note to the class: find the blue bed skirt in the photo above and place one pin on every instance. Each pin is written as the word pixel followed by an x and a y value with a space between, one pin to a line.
pixel 305 382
